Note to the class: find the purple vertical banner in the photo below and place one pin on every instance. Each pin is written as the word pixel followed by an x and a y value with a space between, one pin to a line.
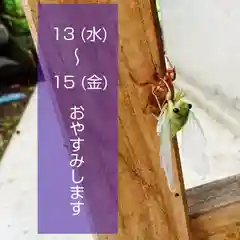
pixel 77 118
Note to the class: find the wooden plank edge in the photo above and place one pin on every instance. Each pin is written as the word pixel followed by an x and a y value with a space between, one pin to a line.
pixel 214 209
pixel 218 223
pixel 213 195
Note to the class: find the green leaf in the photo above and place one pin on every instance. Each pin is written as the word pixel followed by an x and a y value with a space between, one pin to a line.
pixel 13 8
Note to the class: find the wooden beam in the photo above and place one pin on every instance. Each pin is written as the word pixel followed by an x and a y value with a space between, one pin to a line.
pixel 219 223
pixel 215 209
pixel 147 209
pixel 213 195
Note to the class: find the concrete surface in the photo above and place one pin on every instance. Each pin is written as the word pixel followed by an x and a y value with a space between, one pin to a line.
pixel 18 184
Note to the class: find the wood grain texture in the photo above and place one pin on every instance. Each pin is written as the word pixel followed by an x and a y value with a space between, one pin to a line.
pixel 218 224
pixel 215 209
pixel 147 210
pixel 213 195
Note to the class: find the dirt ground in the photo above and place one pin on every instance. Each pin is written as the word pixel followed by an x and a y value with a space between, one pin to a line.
pixel 10 115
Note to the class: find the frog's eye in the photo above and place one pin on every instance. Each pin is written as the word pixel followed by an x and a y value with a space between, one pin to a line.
pixel 175 110
pixel 189 106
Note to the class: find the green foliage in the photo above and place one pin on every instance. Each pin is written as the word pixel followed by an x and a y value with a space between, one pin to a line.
pixel 13 7
pixel 14 16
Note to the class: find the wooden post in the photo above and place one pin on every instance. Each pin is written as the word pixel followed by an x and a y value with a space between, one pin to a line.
pixel 147 209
